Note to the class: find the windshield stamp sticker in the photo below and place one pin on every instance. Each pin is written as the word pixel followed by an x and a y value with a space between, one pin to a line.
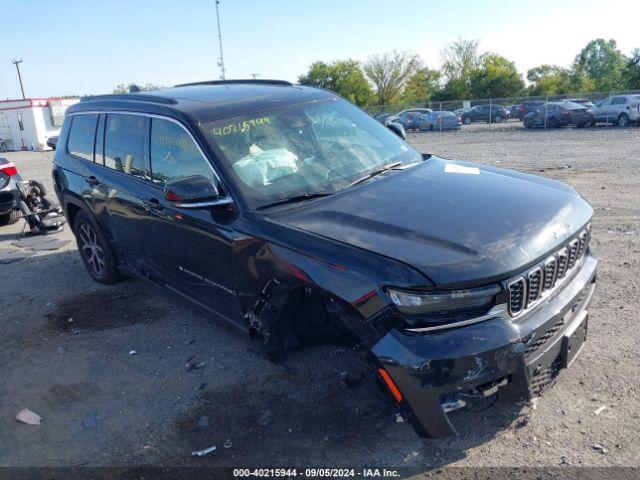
pixel 453 168
pixel 240 127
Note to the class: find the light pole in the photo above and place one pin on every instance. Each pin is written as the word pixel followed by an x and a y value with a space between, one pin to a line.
pixel 221 59
pixel 17 64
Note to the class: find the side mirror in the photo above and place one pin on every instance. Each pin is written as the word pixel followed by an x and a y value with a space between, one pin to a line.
pixel 196 191
pixel 398 129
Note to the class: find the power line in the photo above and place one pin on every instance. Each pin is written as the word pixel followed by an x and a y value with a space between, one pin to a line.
pixel 221 59
pixel 17 64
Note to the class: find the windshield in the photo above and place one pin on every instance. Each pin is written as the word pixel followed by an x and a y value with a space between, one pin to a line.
pixel 304 149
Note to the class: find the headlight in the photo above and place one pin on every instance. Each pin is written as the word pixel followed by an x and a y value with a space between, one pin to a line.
pixel 416 303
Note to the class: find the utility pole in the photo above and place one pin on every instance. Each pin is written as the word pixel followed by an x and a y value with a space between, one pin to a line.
pixel 221 59
pixel 17 64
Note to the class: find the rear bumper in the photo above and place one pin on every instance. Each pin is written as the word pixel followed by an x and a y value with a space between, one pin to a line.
pixel 522 356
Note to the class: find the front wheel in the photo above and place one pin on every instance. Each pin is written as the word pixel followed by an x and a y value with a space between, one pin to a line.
pixel 467 121
pixel 623 120
pixel 497 118
pixel 94 250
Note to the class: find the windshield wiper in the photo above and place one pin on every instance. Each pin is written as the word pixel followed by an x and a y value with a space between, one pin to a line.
pixel 375 172
pixel 298 197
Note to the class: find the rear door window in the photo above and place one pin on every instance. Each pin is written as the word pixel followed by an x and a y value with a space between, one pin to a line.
pixel 82 135
pixel 124 144
pixel 174 154
pixel 619 100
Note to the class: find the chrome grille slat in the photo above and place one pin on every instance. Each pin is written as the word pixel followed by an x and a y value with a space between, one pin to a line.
pixel 526 290
pixel 549 273
pixel 534 285
pixel 517 289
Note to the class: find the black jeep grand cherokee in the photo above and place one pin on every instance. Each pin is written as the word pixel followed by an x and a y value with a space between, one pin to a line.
pixel 292 213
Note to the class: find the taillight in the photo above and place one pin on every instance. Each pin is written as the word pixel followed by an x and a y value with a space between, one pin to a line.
pixel 9 168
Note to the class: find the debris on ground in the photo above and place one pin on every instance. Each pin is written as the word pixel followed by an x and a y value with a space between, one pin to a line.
pixel 600 409
pixel 133 352
pixel 227 443
pixel 27 416
pixel 61 350
pixel 70 320
pixel 91 420
pixel 399 418
pixel 564 460
pixel 348 380
pixel 193 365
pixel 524 421
pixel 203 453
pixel 265 418
pixel 203 422
pixel 599 448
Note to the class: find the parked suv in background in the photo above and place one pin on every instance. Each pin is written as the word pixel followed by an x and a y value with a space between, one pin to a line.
pixel 296 216
pixel 485 113
pixel 9 193
pixel 620 110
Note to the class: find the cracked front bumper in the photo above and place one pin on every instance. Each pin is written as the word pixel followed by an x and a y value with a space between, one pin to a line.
pixel 523 355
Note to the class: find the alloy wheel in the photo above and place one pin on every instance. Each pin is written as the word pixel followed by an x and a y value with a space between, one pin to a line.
pixel 91 249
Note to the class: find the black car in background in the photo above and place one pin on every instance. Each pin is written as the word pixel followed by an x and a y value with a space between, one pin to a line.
pixel 528 106
pixel 292 214
pixel 9 193
pixel 485 113
pixel 558 114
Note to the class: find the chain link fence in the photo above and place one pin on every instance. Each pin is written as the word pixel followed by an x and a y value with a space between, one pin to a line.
pixel 516 106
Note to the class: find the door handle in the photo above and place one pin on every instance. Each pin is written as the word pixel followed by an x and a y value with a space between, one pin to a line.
pixel 93 181
pixel 152 204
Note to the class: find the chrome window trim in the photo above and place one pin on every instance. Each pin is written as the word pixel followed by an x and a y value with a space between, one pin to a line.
pixel 224 201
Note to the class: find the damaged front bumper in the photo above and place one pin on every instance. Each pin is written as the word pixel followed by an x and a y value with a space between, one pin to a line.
pixel 441 371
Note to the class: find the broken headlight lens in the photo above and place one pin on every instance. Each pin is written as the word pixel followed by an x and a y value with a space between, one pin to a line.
pixel 454 301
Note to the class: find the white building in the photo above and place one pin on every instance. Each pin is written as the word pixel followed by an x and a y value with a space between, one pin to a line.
pixel 27 124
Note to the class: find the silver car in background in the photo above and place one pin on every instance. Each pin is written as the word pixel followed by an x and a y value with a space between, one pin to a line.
pixel 620 110
pixel 440 120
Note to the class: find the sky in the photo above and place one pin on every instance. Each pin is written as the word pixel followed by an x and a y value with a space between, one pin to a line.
pixel 75 47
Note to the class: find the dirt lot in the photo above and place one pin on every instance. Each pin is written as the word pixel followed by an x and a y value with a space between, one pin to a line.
pixel 66 342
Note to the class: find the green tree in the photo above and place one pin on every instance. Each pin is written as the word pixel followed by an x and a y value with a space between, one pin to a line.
pixel 390 72
pixel 421 86
pixel 555 80
pixel 631 72
pixel 496 77
pixel 460 58
pixel 603 63
pixel 344 77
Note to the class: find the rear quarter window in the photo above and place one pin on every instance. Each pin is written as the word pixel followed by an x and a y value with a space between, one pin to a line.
pixel 82 135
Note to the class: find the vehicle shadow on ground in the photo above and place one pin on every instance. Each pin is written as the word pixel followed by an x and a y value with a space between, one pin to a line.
pixel 318 406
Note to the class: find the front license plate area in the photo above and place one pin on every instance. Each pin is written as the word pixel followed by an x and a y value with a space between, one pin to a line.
pixel 573 340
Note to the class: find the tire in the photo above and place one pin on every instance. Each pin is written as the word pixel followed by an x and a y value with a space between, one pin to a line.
pixel 431 127
pixel 497 119
pixel 581 125
pixel 94 250
pixel 526 124
pixel 9 218
pixel 552 123
pixel 467 121
pixel 623 120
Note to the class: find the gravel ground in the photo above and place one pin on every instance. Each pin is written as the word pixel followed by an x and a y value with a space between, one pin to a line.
pixel 66 343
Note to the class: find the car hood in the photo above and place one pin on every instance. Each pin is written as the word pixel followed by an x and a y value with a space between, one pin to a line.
pixel 458 223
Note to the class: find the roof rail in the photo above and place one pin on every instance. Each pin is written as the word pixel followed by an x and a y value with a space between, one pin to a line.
pixel 136 97
pixel 240 80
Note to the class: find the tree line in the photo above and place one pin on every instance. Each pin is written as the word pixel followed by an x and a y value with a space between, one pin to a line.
pixel 466 73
